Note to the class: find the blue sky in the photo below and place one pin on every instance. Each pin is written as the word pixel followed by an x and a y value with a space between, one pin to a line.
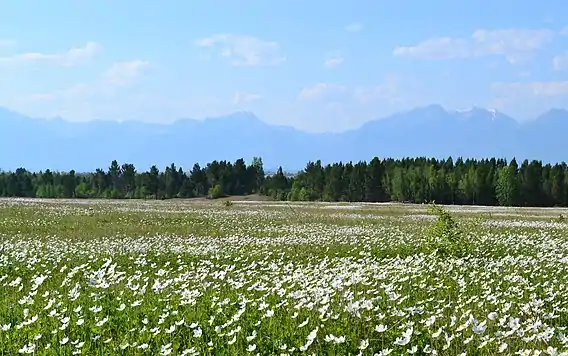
pixel 316 65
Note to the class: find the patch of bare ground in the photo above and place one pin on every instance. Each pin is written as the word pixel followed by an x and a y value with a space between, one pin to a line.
pixel 251 197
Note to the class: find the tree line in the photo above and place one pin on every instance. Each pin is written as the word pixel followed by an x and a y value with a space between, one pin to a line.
pixel 416 180
pixel 217 179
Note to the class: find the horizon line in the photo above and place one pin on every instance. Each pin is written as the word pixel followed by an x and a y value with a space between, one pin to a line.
pixel 252 114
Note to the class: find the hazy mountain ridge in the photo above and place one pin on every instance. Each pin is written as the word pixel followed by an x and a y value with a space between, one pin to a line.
pixel 427 131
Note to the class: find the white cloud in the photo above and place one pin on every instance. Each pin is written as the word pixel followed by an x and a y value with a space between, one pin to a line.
pixel 333 59
pixel 125 73
pixel 531 89
pixel 75 92
pixel 244 50
pixel 4 42
pixel 322 91
pixel 242 98
pixel 515 44
pixel 111 95
pixel 564 31
pixel 354 27
pixel 120 74
pixel 387 93
pixel 69 58
pixel 511 40
pixel 527 100
pixel 560 61
pixel 435 48
pixel 333 107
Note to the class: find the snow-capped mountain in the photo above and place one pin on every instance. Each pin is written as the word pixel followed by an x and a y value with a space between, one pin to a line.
pixel 430 131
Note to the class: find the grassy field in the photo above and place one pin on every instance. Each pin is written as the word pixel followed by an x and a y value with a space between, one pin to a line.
pixel 211 278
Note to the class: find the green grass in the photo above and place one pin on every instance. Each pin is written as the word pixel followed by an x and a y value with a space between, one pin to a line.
pixel 199 277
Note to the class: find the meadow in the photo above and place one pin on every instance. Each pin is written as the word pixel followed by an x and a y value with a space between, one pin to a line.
pixel 179 277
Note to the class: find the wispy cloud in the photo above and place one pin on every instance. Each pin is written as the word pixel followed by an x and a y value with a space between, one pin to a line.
pixel 532 89
pixel 387 92
pixel 333 59
pixel 354 27
pixel 125 73
pixel 69 58
pixel 7 43
pixel 335 107
pixel 560 61
pixel 436 49
pixel 529 98
pixel 243 97
pixel 118 75
pixel 244 50
pixel 514 44
pixel 322 91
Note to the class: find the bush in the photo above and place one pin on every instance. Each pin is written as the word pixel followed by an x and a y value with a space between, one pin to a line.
pixel 445 237
pixel 228 203
pixel 216 192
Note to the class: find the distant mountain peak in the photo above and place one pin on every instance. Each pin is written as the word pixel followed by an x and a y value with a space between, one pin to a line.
pixel 476 112
pixel 240 116
pixel 428 131
pixel 432 108
pixel 554 115
pixel 7 113
pixel 475 109
pixel 422 113
pixel 555 111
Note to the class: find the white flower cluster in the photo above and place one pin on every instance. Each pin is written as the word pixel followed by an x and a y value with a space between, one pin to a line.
pixel 198 278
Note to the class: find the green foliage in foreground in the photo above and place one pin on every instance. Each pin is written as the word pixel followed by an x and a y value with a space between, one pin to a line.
pixel 445 237
pixel 188 278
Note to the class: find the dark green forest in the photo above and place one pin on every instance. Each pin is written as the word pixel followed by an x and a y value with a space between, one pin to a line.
pixel 417 180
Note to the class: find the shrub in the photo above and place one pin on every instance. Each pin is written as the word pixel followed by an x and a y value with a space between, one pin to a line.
pixel 216 192
pixel 445 237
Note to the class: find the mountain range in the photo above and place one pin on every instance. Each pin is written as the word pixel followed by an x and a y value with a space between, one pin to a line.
pixel 430 131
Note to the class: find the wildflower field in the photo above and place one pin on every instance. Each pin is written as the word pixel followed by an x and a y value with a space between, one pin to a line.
pixel 262 278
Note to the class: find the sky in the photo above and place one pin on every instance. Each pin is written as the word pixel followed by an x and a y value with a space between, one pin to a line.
pixel 314 65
